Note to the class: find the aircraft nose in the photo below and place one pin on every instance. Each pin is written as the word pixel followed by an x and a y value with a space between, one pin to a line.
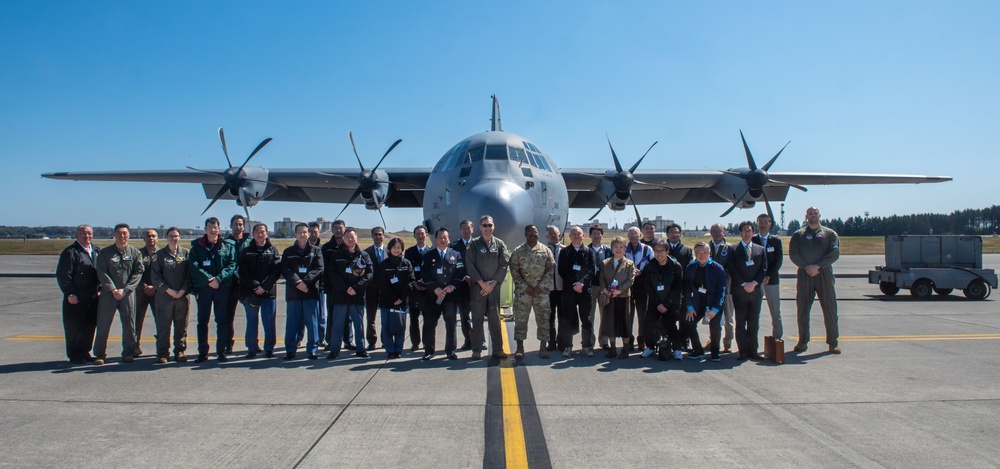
pixel 510 206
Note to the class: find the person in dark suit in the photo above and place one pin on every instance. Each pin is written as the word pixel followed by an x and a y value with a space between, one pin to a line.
pixel 773 252
pixel 443 273
pixel 377 253
pixel 76 274
pixel 747 268
pixel 704 294
pixel 415 254
pixel 461 245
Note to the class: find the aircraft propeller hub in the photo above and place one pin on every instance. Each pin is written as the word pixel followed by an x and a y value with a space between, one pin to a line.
pixel 757 178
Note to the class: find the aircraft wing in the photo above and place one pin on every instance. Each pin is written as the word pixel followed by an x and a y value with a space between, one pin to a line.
pixel 330 185
pixel 591 188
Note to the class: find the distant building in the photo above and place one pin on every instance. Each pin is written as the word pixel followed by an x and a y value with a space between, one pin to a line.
pixel 286 227
pixel 659 223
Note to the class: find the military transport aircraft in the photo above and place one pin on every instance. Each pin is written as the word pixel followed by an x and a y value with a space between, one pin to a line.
pixel 497 173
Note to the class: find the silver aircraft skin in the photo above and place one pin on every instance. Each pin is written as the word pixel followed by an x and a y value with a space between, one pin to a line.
pixel 500 174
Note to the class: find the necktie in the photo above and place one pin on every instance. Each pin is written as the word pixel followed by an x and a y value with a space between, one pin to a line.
pixel 378 253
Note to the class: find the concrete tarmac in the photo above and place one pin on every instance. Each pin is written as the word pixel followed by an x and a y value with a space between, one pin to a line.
pixel 916 386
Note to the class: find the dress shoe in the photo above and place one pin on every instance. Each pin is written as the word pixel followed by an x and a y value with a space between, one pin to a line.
pixel 312 356
pixel 427 357
pixel 269 354
pixel 251 355
pixel 623 353
pixel 371 345
pixel 466 346
pixel 414 348
pixel 500 355
pixel 754 356
pixel 288 356
pixel 452 356
pixel 327 347
pixel 605 347
pixel 476 355
pixel 180 357
pixel 801 347
pixel 361 354
pixel 332 355
pixel 223 358
pixel 612 353
pixel 138 351
pixel 201 359
pixel 161 360
pixel 128 359
pixel 835 350
pixel 348 346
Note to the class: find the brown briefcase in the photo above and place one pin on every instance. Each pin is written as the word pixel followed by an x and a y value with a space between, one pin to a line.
pixel 774 349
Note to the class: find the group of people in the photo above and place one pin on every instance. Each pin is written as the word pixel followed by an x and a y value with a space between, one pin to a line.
pixel 335 290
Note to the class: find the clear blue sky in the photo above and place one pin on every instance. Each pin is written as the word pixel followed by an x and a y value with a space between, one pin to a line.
pixel 859 86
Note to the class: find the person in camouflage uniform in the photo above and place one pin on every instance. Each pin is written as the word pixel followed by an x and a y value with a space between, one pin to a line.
pixel 531 267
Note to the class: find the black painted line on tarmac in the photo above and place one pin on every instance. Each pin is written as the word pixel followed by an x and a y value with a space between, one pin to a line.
pixel 495 454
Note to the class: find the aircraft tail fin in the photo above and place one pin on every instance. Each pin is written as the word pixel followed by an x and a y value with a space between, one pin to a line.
pixel 495 121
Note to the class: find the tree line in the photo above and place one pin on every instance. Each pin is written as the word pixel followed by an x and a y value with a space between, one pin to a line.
pixel 984 221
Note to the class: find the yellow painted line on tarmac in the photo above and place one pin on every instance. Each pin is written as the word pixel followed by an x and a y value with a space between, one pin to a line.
pixel 513 429
pixel 904 338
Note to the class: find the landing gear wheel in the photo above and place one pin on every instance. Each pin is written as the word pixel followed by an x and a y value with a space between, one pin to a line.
pixel 922 289
pixel 889 289
pixel 977 290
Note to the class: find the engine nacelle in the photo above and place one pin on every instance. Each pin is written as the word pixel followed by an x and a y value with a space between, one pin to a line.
pixel 375 197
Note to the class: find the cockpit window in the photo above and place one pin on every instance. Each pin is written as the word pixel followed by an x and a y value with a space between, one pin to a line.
pixel 475 154
pixel 516 155
pixel 542 161
pixel 496 152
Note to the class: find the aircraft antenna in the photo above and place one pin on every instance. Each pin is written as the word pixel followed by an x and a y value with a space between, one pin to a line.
pixel 495 121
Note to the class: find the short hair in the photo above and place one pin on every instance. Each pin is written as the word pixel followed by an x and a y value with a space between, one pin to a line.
pixel 339 222
pixel 648 223
pixel 484 218
pixel 237 216
pixel 312 224
pixel 634 228
pixel 745 224
pixel 378 228
pixel 173 228
pixel 702 245
pixel 527 227
pixel 84 226
pixel 123 225
pixel 419 227
pixel 395 241
pixel 157 233
pixel 350 229
pixel 211 221
pixel 297 226
pixel 461 224
pixel 618 240
pixel 257 225
pixel 552 228
pixel 662 243
pixel 674 225
pixel 764 215
pixel 596 228
pixel 439 230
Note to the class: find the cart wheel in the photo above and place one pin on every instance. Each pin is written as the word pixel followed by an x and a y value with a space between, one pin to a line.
pixel 977 290
pixel 943 291
pixel 922 289
pixel 887 288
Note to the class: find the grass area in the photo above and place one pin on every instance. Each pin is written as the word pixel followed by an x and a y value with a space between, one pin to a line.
pixel 848 244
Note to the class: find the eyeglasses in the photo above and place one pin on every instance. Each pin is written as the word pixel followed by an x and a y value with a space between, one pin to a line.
pixel 659 250
pixel 487 225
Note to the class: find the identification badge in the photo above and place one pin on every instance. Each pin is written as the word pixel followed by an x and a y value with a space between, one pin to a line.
pixel 750 262
pixel 303 270
pixel 440 271
pixel 659 288
pixel 394 280
pixel 416 269
pixel 576 267
pixel 207 262
pixel 348 271
pixel 702 290
pixel 770 249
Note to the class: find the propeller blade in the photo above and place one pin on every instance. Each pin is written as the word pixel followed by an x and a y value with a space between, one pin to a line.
pixel 618 165
pixel 206 171
pixel 736 203
pixel 350 135
pixel 225 187
pixel 750 161
pixel 598 212
pixel 255 150
pixel 771 161
pixel 222 138
pixel 767 204
pixel 638 219
pixel 357 192
pixel 636 165
pixel 801 188
pixel 386 154
pixel 243 202
pixel 383 218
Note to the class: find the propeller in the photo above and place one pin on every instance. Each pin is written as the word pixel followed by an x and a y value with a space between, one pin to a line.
pixel 368 181
pixel 623 181
pixel 234 177
pixel 757 178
